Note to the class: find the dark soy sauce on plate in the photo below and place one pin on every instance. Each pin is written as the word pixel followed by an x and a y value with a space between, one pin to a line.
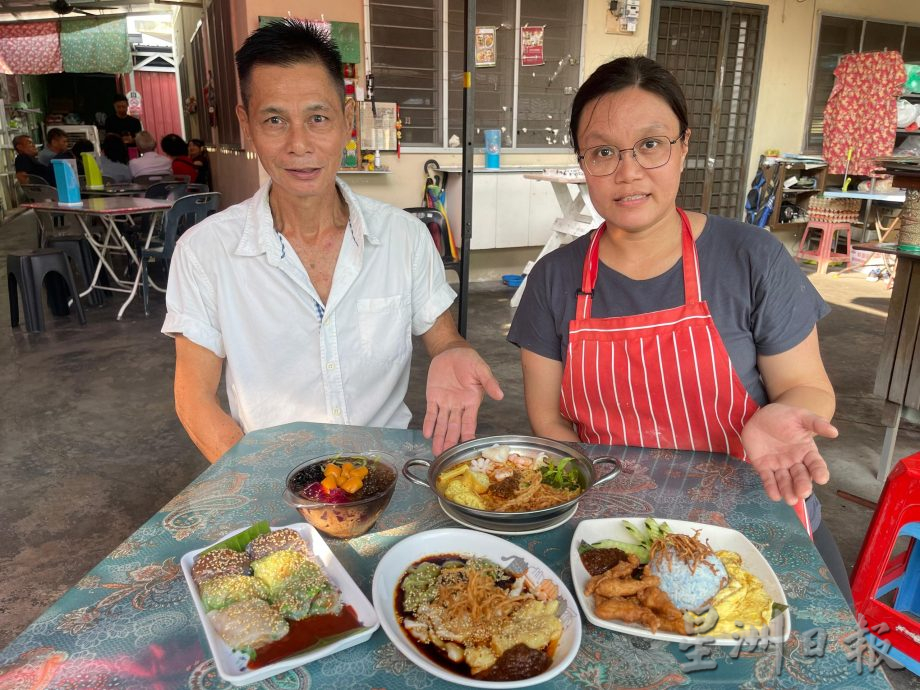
pixel 305 633
pixel 537 661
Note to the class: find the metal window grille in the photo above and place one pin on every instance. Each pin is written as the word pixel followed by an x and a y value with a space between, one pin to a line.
pixel 714 51
pixel 416 49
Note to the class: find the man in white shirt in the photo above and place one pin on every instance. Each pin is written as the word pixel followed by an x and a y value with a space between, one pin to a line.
pixel 149 162
pixel 310 292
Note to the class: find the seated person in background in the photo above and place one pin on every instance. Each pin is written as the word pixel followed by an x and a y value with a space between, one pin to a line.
pixel 149 162
pixel 121 124
pixel 55 145
pixel 80 146
pixel 113 161
pixel 199 156
pixel 308 293
pixel 175 147
pixel 26 162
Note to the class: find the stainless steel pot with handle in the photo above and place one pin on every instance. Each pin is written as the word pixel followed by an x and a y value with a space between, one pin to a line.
pixel 588 470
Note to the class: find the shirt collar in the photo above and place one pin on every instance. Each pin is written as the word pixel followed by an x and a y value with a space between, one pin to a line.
pixel 260 237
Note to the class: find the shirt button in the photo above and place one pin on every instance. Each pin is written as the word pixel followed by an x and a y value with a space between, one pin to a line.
pixel 330 366
pixel 337 412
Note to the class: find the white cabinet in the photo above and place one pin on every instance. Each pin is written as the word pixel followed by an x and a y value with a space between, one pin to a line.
pixel 508 209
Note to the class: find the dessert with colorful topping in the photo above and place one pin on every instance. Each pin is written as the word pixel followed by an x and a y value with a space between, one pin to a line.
pixel 342 496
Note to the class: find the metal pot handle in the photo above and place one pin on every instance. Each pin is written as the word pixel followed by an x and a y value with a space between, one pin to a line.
pixel 411 477
pixel 607 459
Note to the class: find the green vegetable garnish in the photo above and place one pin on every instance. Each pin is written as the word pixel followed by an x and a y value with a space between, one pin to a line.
pixel 239 541
pixel 558 477
pixel 778 609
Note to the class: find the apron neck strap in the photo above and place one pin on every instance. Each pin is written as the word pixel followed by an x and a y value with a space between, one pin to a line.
pixel 692 290
pixel 693 293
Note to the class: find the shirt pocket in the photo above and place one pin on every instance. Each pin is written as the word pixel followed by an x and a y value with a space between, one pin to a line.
pixel 385 327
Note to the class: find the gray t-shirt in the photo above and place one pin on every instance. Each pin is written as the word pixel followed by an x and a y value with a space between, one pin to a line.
pixel 760 300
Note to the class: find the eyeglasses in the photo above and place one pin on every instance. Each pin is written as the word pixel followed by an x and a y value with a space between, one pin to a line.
pixel 651 152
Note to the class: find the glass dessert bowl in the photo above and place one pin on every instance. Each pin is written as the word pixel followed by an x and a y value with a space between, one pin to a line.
pixel 342 495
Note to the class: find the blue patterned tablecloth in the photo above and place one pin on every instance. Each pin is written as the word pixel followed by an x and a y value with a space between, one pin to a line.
pixel 130 622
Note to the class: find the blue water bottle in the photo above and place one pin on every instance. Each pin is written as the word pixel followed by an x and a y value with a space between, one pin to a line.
pixel 68 184
pixel 493 147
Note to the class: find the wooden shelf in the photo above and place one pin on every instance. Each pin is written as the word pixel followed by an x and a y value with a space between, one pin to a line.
pixel 784 170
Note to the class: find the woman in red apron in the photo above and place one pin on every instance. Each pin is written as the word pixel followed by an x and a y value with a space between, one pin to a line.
pixel 628 335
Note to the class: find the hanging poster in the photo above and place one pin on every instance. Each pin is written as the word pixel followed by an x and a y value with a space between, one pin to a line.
pixel 531 46
pixel 485 46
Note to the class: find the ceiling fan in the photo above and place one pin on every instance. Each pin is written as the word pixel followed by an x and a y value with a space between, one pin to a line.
pixel 63 7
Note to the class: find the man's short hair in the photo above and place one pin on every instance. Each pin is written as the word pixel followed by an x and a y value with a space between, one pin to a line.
pixel 145 141
pixel 82 146
pixel 120 98
pixel 173 145
pixel 55 133
pixel 18 139
pixel 285 43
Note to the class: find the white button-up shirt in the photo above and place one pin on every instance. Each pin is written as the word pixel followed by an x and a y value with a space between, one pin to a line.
pixel 238 288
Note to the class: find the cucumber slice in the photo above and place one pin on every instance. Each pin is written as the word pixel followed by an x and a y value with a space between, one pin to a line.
pixel 638 550
pixel 636 533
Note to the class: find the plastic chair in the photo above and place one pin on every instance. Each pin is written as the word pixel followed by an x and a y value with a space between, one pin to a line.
pixel 440 235
pixel 827 244
pixel 40 191
pixel 437 226
pixel 197 188
pixel 48 223
pixel 83 259
pixel 26 272
pixel 877 574
pixel 186 212
pixel 164 190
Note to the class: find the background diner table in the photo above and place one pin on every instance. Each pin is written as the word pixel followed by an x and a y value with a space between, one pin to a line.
pixel 130 622
pixel 110 210
pixel 115 189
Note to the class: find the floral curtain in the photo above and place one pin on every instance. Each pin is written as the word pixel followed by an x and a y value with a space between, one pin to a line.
pixel 94 45
pixel 33 48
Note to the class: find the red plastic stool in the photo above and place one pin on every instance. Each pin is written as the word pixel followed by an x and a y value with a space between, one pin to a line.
pixel 877 573
pixel 827 244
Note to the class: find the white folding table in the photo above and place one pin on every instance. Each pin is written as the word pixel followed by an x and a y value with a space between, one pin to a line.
pixel 578 217
pixel 109 210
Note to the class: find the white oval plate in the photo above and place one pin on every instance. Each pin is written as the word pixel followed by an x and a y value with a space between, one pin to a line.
pixel 231 665
pixel 720 539
pixel 464 542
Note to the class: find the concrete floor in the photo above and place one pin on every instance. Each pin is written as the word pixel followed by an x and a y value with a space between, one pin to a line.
pixel 90 446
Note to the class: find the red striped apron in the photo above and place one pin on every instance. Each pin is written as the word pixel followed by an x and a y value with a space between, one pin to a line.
pixel 675 386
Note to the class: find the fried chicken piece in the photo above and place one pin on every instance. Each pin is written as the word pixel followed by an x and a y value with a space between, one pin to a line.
pixel 621 570
pixel 624 568
pixel 626 611
pixel 624 586
pixel 669 616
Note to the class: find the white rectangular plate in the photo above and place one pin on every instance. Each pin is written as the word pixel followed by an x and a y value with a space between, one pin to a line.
pixel 720 538
pixel 232 665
